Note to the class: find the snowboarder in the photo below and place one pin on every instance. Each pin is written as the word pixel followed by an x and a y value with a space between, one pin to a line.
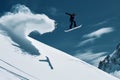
pixel 72 20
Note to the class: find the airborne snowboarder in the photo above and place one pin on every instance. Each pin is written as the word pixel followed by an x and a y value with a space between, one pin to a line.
pixel 72 20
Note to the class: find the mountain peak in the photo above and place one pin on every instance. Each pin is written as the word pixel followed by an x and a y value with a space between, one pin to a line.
pixel 111 63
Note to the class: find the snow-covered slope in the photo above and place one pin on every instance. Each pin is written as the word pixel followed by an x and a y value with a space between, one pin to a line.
pixel 45 62
pixel 17 66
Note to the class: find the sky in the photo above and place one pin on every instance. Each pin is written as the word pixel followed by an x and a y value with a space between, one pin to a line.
pixel 99 34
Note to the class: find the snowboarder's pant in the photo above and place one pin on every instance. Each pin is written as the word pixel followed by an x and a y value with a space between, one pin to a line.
pixel 71 23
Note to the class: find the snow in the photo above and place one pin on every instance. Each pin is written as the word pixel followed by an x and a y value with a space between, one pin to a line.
pixel 17 24
pixel 16 63
pixel 23 66
pixel 111 63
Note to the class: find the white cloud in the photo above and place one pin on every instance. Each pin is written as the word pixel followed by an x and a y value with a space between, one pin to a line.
pixel 91 57
pixel 86 41
pixel 99 32
pixel 19 23
pixel 94 35
pixel 102 22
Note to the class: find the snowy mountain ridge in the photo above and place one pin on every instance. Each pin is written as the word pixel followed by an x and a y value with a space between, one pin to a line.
pixel 111 63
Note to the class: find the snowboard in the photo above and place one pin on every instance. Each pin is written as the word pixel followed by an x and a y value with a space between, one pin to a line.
pixel 68 30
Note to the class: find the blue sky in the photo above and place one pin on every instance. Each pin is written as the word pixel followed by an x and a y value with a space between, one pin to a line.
pixel 100 20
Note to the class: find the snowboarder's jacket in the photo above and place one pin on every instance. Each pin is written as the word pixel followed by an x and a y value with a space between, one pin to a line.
pixel 72 16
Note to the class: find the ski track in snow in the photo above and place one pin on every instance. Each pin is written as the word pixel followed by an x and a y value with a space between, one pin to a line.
pixel 16 69
pixel 17 75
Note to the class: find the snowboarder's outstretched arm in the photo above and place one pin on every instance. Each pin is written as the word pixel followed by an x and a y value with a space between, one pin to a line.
pixel 68 14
